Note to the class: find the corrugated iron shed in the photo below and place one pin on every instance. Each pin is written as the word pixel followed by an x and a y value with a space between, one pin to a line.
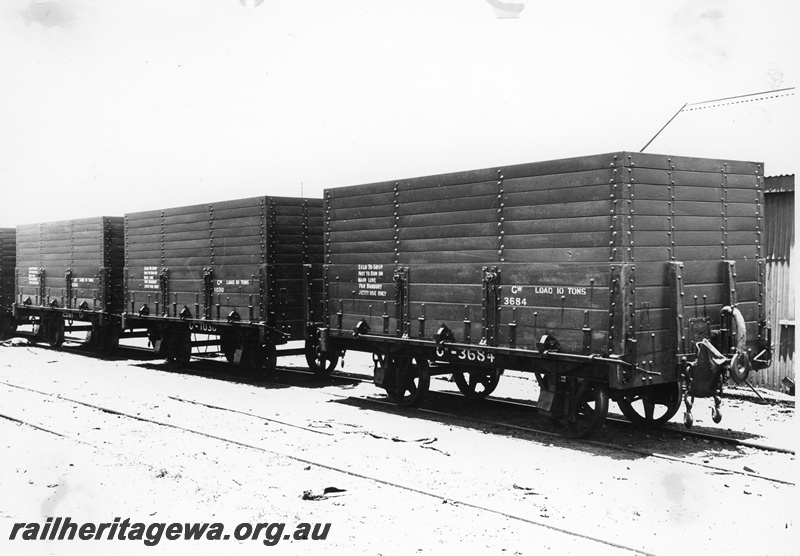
pixel 779 217
pixel 779 184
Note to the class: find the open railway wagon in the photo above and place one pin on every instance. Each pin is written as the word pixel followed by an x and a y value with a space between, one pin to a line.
pixel 237 277
pixel 7 258
pixel 629 277
pixel 69 279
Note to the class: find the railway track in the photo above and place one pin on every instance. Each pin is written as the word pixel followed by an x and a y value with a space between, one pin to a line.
pixel 511 406
pixel 501 419
pixel 308 461
pixel 498 414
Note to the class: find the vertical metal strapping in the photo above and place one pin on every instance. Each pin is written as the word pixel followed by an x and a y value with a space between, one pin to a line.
pixel 126 272
pixel 308 303
pixel 326 294
pixel 491 305
pixel 42 278
pixel 272 294
pixel 262 292
pixel 305 232
pixel 401 301
pixel 724 227
pixel 628 271
pixel 211 231
pixel 163 285
pixel 677 340
pixel 628 282
pixel 163 258
pixel 671 210
pixel 105 272
pixel 762 317
pixel 615 333
pixel 396 223
pixel 327 232
pixel 629 235
pixel 500 218
pixel 614 198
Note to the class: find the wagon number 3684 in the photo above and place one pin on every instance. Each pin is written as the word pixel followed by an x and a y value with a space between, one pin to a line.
pixel 466 353
pixel 515 298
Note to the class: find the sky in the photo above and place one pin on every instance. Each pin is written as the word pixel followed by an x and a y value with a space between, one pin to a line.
pixel 116 106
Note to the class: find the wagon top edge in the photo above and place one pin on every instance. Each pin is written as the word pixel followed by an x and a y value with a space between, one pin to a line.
pixel 618 159
pixel 93 220
pixel 228 204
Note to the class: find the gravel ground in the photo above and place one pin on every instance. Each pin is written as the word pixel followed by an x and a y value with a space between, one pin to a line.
pixel 395 484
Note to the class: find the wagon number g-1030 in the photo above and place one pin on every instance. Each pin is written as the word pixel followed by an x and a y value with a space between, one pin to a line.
pixel 465 354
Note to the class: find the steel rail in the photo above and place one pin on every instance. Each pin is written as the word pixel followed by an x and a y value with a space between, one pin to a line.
pixel 363 476
pixel 597 443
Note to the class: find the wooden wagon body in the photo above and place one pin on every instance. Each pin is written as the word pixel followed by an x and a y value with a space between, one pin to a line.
pixel 242 271
pixel 7 264
pixel 608 267
pixel 69 271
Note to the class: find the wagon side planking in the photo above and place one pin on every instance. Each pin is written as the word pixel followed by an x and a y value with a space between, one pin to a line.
pixel 624 276
pixel 7 264
pixel 70 272
pixel 242 275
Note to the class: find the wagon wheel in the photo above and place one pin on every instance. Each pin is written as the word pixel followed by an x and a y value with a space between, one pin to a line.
pixel 265 361
pixel 7 328
pixel 589 411
pixel 228 345
pixel 180 349
pixel 650 410
pixel 153 336
pixel 37 333
pixel 321 364
pixel 416 381
pixel 54 332
pixel 476 384
pixel 109 339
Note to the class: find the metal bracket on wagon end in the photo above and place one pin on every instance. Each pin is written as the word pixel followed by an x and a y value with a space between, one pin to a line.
pixel 324 340
pixel 361 328
pixel 444 334
pixel 547 343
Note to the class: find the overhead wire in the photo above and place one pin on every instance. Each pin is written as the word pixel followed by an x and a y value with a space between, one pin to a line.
pixel 736 98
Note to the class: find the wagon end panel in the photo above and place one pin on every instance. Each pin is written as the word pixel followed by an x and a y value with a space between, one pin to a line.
pixel 71 264
pixel 294 248
pixel 230 261
pixel 694 248
pixel 8 258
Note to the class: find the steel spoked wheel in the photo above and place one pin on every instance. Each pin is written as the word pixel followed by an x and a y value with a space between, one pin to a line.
pixel 414 379
pixel 180 350
pixel 228 345
pixel 589 411
pixel 54 332
pixel 653 407
pixel 476 384
pixel 110 340
pixel 7 327
pixel 321 364
pixel 265 361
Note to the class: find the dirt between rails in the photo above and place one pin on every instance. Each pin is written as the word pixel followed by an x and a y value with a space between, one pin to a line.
pixel 398 482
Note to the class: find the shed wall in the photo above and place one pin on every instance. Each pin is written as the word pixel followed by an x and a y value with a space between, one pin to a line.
pixel 781 282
